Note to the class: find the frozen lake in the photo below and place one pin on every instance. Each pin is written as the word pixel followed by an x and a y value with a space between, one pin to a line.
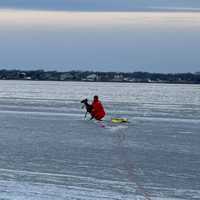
pixel 49 152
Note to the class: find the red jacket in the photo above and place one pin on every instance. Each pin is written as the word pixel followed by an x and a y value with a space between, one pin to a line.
pixel 97 110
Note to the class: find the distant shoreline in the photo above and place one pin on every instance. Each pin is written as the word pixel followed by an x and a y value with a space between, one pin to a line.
pixel 91 76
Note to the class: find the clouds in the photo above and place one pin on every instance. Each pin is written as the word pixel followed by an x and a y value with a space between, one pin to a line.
pixel 48 34
pixel 148 41
pixel 19 19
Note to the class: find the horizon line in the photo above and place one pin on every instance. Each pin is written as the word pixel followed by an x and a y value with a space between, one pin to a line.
pixel 97 71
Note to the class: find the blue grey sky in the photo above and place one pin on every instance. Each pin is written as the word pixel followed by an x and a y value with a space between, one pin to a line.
pixel 100 35
pixel 102 5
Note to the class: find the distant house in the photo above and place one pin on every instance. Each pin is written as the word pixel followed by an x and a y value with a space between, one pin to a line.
pixel 118 77
pixel 47 76
pixel 22 75
pixel 92 77
pixel 126 79
pixel 66 76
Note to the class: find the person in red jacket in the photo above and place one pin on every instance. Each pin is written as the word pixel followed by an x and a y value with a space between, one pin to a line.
pixel 98 111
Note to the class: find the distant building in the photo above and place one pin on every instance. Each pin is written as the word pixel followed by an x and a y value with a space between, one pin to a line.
pixel 66 76
pixel 47 76
pixel 126 79
pixel 118 77
pixel 92 77
pixel 22 75
pixel 149 80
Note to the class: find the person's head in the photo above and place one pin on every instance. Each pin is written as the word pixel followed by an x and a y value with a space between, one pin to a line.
pixel 96 98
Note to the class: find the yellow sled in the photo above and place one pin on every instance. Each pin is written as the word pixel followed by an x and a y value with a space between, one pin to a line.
pixel 119 120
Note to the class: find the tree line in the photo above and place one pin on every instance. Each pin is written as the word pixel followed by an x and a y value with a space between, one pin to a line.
pixel 193 78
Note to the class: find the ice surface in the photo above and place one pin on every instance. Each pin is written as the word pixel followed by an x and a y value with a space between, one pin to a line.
pixel 49 152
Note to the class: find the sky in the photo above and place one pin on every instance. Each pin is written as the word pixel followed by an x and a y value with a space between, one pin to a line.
pixel 100 35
